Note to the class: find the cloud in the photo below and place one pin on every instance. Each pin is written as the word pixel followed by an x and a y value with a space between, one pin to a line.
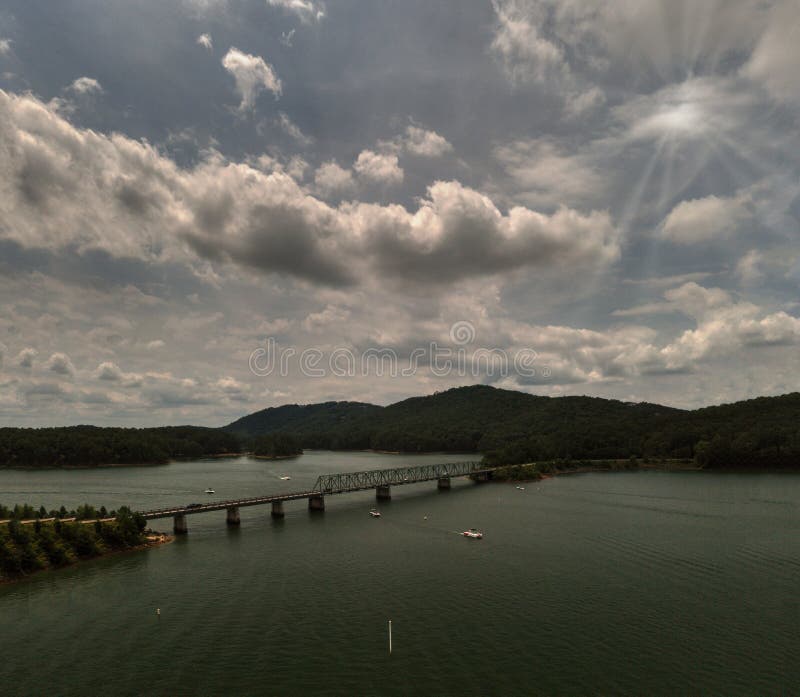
pixel 155 345
pixel 748 269
pixel 5 47
pixel 26 357
pixel 85 85
pixel 706 219
pixel 419 141
pixel 252 75
pixel 458 232
pixel 205 41
pixel 774 60
pixel 306 10
pixel 60 363
pixel 144 206
pixel 378 167
pixel 331 179
pixel 544 174
pixel 291 129
pixel 526 55
pixel 111 372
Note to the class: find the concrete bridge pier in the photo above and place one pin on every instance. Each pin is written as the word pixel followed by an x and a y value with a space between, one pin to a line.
pixel 443 484
pixel 232 518
pixel 383 493
pixel 316 503
pixel 179 526
pixel 277 508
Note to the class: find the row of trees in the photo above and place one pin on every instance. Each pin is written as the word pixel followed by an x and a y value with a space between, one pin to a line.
pixel 28 548
pixel 85 446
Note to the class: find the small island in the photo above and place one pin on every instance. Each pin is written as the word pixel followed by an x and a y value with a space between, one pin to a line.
pixel 36 540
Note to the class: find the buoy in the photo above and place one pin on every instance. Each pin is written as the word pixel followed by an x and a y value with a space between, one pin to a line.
pixel 425 518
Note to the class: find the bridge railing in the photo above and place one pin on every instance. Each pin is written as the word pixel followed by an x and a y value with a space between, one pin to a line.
pixel 353 481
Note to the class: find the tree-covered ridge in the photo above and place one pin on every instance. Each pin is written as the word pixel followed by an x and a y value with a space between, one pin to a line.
pixel 44 544
pixel 513 427
pixel 87 446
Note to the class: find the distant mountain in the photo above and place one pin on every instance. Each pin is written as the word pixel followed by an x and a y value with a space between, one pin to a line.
pixel 467 419
pixel 511 427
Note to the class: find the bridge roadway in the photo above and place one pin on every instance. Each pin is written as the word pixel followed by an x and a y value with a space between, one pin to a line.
pixel 329 484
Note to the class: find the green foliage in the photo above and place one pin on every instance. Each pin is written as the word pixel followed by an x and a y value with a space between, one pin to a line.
pixel 25 548
pixel 277 445
pixel 515 428
pixel 86 446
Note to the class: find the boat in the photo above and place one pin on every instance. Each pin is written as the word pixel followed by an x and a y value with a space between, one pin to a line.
pixel 375 514
pixel 285 478
pixel 521 488
pixel 210 491
pixel 473 534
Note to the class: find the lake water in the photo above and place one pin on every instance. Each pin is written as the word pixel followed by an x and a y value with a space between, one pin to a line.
pixel 623 583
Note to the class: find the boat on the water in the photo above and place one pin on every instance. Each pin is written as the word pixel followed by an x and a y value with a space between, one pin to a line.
pixel 285 478
pixel 210 491
pixel 375 514
pixel 473 534
pixel 521 488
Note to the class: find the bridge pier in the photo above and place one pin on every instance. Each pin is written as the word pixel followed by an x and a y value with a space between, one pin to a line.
pixel 277 508
pixel 443 484
pixel 383 493
pixel 179 526
pixel 232 517
pixel 316 503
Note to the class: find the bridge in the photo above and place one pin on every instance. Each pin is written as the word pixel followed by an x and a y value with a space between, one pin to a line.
pixel 328 485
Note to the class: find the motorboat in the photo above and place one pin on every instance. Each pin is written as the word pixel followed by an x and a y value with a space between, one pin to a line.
pixel 375 514
pixel 521 488
pixel 285 478
pixel 210 491
pixel 473 534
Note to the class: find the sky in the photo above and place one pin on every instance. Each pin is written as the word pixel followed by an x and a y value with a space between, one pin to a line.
pixel 209 207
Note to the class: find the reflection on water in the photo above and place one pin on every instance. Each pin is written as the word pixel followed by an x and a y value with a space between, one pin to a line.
pixel 623 583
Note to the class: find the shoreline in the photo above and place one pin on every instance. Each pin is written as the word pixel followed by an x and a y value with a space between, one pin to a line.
pixel 153 539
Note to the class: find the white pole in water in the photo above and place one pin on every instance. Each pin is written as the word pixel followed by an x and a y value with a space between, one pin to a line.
pixel 390 636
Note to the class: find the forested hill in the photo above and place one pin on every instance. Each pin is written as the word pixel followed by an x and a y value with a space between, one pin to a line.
pixel 468 419
pixel 507 427
pixel 514 427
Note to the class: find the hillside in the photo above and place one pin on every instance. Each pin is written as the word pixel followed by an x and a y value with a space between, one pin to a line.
pixel 511 427
pixel 469 419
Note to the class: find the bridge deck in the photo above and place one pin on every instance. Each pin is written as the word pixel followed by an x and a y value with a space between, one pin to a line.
pixel 334 484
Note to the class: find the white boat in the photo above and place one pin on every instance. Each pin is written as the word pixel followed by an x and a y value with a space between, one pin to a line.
pixel 375 514
pixel 210 491
pixel 473 534
pixel 285 478
pixel 521 488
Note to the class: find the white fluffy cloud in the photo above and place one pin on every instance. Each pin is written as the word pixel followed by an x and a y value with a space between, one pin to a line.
pixel 26 357
pixel 5 47
pixel 144 206
pixel 706 219
pixel 61 364
pixel 85 85
pixel 205 41
pixel 419 141
pixel 330 179
pixel 774 60
pixel 378 167
pixel 306 10
pixel 252 75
